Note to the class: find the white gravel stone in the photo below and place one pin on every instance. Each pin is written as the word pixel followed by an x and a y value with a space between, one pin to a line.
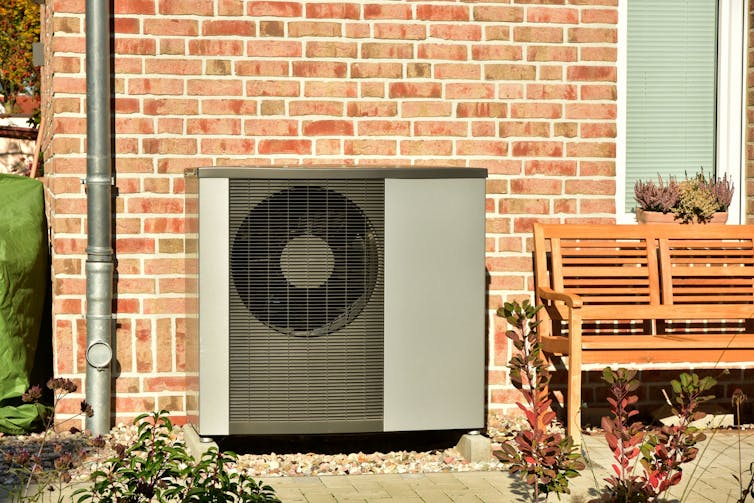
pixel 256 465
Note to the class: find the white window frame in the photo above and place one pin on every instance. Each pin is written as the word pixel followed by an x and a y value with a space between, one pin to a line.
pixel 731 109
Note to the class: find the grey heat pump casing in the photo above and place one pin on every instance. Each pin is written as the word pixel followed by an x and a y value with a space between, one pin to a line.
pixel 336 300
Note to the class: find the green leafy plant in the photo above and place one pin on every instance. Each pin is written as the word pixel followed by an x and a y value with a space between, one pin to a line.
pixel 157 467
pixel 543 458
pixel 209 480
pixel 661 451
pixel 36 477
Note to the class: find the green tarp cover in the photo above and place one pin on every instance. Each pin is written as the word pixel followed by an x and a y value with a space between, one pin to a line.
pixel 23 276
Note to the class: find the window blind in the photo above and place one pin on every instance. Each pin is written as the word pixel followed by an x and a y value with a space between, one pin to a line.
pixel 670 94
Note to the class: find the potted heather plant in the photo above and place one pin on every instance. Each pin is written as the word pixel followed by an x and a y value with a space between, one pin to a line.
pixel 693 200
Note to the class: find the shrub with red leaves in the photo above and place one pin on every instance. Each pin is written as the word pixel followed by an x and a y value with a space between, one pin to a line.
pixel 659 451
pixel 542 457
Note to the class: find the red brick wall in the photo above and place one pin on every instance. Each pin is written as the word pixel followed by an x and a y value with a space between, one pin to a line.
pixel 525 89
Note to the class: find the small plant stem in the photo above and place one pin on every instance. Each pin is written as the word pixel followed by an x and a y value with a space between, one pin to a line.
pixel 676 440
pixel 585 454
pixel 49 425
pixel 738 431
pixel 621 414
pixel 531 384
pixel 692 481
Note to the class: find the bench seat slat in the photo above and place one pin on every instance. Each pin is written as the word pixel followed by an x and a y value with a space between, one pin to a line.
pixel 656 349
pixel 707 261
pixel 614 290
pixel 625 284
pixel 599 242
pixel 696 287
pixel 673 341
pixel 684 245
pixel 627 281
pixel 696 299
pixel 613 260
pixel 597 272
pixel 617 299
pixel 713 283
pixel 660 312
pixel 714 272
pixel 665 356
pixel 612 251
pixel 623 311
pixel 722 242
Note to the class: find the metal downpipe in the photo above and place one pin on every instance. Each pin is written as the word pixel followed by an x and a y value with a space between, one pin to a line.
pixel 99 251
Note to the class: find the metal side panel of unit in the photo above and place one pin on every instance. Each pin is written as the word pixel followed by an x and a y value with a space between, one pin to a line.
pixel 434 304
pixel 213 307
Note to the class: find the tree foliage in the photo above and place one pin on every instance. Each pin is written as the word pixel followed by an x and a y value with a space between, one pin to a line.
pixel 19 29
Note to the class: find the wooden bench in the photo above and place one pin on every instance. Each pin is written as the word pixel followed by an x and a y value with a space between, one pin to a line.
pixel 639 294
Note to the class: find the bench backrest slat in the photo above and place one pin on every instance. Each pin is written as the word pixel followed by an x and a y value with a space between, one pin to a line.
pixel 602 268
pixel 557 263
pixel 658 265
pixel 702 270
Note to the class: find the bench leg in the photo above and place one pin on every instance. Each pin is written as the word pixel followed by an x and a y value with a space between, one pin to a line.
pixel 574 398
pixel 574 377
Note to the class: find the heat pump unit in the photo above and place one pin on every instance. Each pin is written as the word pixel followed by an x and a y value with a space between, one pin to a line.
pixel 336 300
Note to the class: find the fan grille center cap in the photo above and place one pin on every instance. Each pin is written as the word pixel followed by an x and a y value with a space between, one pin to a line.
pixel 307 261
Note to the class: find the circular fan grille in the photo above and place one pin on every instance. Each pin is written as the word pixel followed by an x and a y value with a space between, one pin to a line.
pixel 304 261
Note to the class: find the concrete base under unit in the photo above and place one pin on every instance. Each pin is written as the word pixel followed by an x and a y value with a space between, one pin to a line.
pixel 195 444
pixel 475 448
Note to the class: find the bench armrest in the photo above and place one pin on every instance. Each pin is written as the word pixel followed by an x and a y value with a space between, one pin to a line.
pixel 571 299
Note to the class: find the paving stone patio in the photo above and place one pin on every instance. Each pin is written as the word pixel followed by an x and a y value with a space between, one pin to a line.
pixel 709 479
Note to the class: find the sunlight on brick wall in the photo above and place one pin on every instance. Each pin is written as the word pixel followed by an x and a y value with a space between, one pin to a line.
pixel 524 89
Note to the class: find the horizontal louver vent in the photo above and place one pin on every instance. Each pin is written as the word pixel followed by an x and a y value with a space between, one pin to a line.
pixel 306 300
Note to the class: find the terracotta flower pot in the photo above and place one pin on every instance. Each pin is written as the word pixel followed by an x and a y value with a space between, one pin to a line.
pixel 656 217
